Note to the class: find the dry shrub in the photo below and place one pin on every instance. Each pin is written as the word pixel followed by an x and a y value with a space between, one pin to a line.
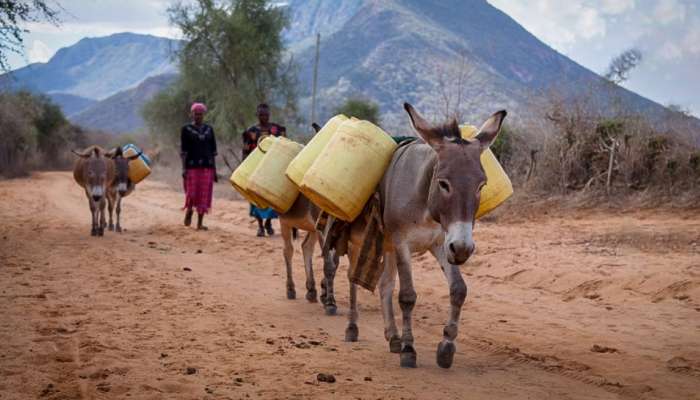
pixel 651 160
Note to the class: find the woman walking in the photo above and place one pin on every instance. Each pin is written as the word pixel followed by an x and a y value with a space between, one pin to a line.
pixel 198 152
pixel 250 142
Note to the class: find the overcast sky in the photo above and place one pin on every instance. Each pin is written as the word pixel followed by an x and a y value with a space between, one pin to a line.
pixel 590 32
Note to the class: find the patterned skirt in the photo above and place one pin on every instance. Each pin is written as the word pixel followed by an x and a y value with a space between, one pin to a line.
pixel 199 187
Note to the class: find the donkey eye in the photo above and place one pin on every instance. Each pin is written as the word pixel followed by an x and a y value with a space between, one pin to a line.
pixel 444 185
pixel 481 186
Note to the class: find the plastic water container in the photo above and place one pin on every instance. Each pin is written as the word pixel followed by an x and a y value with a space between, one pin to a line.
pixel 240 178
pixel 302 162
pixel 269 182
pixel 346 173
pixel 498 187
pixel 139 168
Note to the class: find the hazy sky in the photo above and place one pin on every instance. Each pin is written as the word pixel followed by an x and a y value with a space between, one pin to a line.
pixel 590 32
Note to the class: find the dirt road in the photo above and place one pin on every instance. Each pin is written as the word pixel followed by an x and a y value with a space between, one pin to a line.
pixel 575 306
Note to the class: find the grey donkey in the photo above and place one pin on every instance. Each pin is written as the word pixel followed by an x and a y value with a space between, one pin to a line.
pixel 430 194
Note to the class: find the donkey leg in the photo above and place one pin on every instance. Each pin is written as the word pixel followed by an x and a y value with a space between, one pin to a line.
pixel 330 266
pixel 119 213
pixel 103 222
pixel 386 291
pixel 288 254
pixel 458 293
pixel 407 300
pixel 110 207
pixel 352 331
pixel 93 213
pixel 307 248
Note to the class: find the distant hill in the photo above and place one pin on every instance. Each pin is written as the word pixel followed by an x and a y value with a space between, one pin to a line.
pixel 71 104
pixel 95 68
pixel 388 51
pixel 121 112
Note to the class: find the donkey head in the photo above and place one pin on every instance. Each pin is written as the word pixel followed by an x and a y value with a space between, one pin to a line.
pixel 121 169
pixel 455 187
pixel 94 172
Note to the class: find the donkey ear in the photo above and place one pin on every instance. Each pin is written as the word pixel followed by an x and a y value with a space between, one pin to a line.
pixel 81 155
pixel 112 153
pixel 422 127
pixel 489 130
pixel 316 127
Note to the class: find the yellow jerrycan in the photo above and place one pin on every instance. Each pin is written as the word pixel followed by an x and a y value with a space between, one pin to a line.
pixel 302 162
pixel 498 187
pixel 139 168
pixel 347 171
pixel 269 183
pixel 240 178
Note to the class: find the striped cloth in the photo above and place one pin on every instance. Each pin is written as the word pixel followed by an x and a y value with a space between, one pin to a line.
pixel 199 186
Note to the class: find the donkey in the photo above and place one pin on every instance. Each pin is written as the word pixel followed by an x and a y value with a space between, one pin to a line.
pixel 120 187
pixel 93 171
pixel 430 194
pixel 303 215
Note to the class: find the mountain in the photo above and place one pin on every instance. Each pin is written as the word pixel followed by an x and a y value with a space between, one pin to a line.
pixel 71 104
pixel 388 51
pixel 391 51
pixel 121 112
pixel 95 68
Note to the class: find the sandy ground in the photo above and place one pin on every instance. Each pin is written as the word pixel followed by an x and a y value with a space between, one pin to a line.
pixel 578 305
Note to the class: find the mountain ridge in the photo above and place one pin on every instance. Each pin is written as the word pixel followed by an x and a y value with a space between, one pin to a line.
pixel 388 51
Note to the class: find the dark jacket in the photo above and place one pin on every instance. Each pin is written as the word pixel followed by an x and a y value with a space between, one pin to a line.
pixel 254 133
pixel 198 146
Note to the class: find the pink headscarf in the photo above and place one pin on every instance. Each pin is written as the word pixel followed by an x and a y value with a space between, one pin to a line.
pixel 198 107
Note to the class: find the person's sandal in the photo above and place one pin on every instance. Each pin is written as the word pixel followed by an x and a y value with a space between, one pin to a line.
pixel 261 232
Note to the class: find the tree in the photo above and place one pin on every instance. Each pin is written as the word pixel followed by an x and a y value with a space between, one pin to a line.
pixel 620 66
pixel 232 60
pixel 456 78
pixel 362 109
pixel 15 13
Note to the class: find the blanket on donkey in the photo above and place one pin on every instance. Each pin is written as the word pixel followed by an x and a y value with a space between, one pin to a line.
pixel 365 238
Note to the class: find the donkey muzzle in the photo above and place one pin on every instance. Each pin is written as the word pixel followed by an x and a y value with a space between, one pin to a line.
pixel 96 192
pixel 122 188
pixel 459 244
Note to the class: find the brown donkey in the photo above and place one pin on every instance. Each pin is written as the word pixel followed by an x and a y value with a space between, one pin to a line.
pixel 430 194
pixel 120 187
pixel 93 172
pixel 303 215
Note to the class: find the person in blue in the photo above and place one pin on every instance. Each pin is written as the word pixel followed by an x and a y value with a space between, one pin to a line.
pixel 250 141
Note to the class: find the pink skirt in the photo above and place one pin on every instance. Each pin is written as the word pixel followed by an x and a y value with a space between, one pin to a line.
pixel 199 187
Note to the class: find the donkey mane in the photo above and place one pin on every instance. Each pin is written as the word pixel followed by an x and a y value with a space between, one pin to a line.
pixel 450 131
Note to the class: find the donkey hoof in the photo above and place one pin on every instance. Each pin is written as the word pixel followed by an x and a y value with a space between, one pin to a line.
pixel 110 227
pixel 101 231
pixel 408 357
pixel 93 232
pixel 311 296
pixel 291 294
pixel 395 344
pixel 119 229
pixel 351 333
pixel 322 298
pixel 331 309
pixel 446 354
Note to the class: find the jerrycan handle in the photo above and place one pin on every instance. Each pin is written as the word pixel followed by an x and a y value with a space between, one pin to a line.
pixel 261 140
